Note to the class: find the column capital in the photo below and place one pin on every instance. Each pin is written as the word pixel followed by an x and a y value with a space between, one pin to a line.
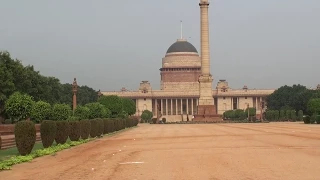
pixel 204 3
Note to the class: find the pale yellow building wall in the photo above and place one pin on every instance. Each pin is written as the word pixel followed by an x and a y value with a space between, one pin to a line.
pixel 243 103
pixel 224 104
pixel 143 104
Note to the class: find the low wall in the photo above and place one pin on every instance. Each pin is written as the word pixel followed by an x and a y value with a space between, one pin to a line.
pixel 7 135
pixel 8 129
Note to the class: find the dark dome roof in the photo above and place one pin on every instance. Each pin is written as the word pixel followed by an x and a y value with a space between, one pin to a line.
pixel 182 46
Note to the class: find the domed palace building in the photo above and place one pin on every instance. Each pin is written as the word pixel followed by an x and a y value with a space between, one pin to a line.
pixel 179 93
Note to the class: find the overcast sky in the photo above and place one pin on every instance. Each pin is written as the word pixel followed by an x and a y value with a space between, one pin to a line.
pixel 109 44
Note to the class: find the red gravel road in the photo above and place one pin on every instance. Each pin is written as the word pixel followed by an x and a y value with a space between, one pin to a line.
pixel 178 152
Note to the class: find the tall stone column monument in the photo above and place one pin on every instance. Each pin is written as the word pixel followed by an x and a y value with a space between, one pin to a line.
pixel 206 110
pixel 74 92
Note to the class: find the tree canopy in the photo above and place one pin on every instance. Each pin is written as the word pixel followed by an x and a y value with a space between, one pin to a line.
pixel 294 97
pixel 14 76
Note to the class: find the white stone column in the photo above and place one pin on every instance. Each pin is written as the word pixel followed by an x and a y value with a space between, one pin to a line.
pixel 166 106
pixel 171 107
pixel 187 105
pixel 192 106
pixel 161 100
pixel 156 107
pixel 181 106
pixel 205 49
pixel 176 106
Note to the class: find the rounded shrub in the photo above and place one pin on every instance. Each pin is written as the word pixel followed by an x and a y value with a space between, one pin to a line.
pixel 318 119
pixel 75 130
pixel 306 119
pixel 19 106
pixel 40 111
pixel 82 112
pixel 25 136
pixel 94 128
pixel 48 130
pixel 164 120
pixel 62 132
pixel 85 128
pixel 61 112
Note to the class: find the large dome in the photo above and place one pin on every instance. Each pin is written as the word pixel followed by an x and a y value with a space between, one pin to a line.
pixel 182 46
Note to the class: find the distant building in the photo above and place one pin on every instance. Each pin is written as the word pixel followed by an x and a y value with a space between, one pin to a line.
pixel 179 92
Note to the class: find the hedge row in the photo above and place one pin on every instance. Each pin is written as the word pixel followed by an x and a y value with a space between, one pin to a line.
pixel 60 131
pixel 314 119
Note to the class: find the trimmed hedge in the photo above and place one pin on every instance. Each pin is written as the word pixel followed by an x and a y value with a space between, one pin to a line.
pixel 100 127
pixel 25 136
pixel 48 130
pixel 75 130
pixel 306 119
pixel 318 119
pixel 106 126
pixel 111 127
pixel 85 128
pixel 94 128
pixel 62 132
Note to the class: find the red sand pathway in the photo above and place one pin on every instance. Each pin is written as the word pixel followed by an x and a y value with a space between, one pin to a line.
pixel 176 152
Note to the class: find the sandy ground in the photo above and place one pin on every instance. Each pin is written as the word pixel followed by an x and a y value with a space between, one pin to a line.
pixel 178 152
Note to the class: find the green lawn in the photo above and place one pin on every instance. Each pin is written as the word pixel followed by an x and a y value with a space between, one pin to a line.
pixel 7 153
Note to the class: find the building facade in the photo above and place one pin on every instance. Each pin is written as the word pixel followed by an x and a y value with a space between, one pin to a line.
pixel 179 94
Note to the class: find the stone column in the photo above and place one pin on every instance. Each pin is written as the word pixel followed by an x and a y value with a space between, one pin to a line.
pixel 205 52
pixel 192 106
pixel 166 106
pixel 156 106
pixel 171 107
pixel 187 100
pixel 176 106
pixel 74 91
pixel 161 101
pixel 181 106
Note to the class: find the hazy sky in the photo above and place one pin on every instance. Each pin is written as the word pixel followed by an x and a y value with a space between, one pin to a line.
pixel 109 44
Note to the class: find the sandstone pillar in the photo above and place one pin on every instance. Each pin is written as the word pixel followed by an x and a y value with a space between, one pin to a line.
pixel 176 107
pixel 171 107
pixel 161 101
pixel 74 91
pixel 206 108
pixel 192 106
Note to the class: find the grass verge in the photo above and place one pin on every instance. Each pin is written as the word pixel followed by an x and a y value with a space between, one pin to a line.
pixel 9 157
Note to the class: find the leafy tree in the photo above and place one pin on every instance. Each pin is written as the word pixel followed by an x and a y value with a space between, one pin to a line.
pixel 82 112
pixel 113 103
pixel 19 106
pixel 61 112
pixel 14 76
pixel 295 97
pixel 40 111
pixel 129 106
pixel 146 115
pixel 252 111
pixel 96 110
pixel 314 105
